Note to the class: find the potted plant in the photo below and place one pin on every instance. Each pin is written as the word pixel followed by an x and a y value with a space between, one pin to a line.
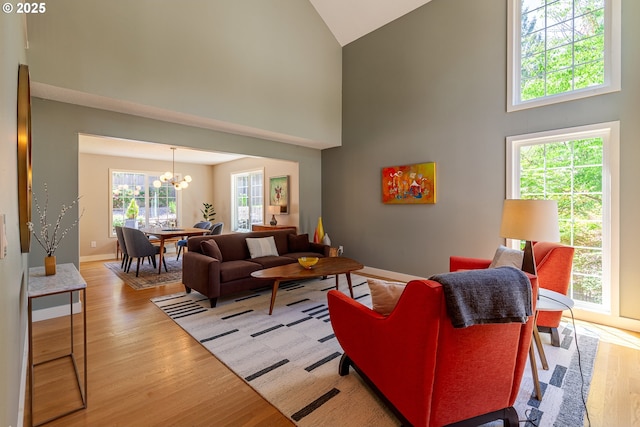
pixel 132 214
pixel 208 213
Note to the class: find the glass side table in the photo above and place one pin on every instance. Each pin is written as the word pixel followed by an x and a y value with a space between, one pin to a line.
pixel 66 280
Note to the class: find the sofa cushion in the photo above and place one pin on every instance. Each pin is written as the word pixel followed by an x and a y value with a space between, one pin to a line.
pixel 298 243
pixel 239 269
pixel 262 246
pixel 210 248
pixel 272 261
pixel 507 257
pixel 385 295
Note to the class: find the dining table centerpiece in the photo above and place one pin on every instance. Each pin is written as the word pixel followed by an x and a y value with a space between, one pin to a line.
pixel 50 237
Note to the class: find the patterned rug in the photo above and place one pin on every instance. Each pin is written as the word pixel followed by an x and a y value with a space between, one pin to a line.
pixel 148 276
pixel 291 358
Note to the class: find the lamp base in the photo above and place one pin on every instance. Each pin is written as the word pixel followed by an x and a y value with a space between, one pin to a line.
pixel 529 261
pixel 273 221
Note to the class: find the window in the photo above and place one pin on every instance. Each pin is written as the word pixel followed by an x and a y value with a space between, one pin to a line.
pixel 135 202
pixel 247 195
pixel 561 50
pixel 576 167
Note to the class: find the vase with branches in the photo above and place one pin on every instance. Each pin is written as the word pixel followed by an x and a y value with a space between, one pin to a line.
pixel 50 237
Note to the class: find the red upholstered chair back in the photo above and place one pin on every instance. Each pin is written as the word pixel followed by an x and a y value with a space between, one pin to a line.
pixel 432 373
pixel 554 263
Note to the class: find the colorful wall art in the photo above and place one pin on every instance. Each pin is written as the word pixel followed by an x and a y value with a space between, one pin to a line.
pixel 279 193
pixel 411 184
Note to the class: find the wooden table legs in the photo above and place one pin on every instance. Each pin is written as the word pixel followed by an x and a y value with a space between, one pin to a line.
pixel 276 284
pixel 348 281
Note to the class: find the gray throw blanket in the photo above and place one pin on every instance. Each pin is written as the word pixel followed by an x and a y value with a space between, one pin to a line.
pixel 495 295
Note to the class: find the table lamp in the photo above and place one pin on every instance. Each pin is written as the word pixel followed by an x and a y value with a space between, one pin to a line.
pixel 532 220
pixel 273 210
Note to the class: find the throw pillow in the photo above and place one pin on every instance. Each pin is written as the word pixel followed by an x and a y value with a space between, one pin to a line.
pixel 211 248
pixel 262 246
pixel 506 256
pixel 385 295
pixel 298 243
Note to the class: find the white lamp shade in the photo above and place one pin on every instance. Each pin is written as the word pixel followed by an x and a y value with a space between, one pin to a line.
pixel 532 220
pixel 273 209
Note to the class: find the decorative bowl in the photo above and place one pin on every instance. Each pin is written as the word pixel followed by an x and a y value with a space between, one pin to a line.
pixel 308 261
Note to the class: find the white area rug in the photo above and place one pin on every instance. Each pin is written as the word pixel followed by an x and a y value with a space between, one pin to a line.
pixel 291 358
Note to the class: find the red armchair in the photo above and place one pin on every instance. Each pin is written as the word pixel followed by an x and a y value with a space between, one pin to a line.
pixel 428 372
pixel 553 263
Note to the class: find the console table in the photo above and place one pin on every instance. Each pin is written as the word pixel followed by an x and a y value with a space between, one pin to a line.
pixel 66 280
pixel 265 227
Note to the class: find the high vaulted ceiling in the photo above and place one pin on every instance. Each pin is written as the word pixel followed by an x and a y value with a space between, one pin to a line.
pixel 349 20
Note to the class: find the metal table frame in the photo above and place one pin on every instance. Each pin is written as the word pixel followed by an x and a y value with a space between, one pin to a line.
pixel 66 280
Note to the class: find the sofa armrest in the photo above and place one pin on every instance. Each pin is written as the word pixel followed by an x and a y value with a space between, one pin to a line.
pixel 319 248
pixel 464 263
pixel 201 273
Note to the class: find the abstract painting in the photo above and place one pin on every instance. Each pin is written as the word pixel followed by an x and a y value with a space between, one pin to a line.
pixel 410 184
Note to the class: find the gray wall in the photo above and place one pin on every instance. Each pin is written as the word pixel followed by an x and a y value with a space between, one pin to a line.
pixel 14 266
pixel 56 127
pixel 271 65
pixel 431 86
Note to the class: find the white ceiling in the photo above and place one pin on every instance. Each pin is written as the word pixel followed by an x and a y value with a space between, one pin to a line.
pixel 349 20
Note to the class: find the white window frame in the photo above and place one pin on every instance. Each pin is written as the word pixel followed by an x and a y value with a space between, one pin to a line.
pixel 610 134
pixel 612 60
pixel 148 177
pixel 234 210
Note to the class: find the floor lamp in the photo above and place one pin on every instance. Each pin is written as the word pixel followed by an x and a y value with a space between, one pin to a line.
pixel 531 220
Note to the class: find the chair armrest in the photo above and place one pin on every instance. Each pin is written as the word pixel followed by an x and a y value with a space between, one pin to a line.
pixel 384 347
pixel 464 263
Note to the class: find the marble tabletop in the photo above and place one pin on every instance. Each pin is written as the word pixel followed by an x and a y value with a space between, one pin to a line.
pixel 66 279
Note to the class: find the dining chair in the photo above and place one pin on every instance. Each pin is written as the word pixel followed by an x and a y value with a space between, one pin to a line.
pixel 183 242
pixel 138 246
pixel 123 246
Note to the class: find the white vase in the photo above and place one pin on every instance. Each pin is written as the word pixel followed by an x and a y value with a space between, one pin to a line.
pixel 326 240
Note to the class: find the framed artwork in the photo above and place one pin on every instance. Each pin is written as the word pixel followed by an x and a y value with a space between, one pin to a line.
pixel 24 156
pixel 410 184
pixel 279 193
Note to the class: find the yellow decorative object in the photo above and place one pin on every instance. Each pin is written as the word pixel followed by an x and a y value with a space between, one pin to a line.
pixel 49 265
pixel 319 234
pixel 308 262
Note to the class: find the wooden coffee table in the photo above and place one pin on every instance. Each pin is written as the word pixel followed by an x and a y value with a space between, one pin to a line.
pixel 325 267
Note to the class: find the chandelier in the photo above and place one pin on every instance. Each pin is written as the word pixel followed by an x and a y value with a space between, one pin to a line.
pixel 171 178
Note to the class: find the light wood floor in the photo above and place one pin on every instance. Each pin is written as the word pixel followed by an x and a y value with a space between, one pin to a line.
pixel 144 370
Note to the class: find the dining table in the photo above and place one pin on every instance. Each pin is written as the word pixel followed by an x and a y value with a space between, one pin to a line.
pixel 164 234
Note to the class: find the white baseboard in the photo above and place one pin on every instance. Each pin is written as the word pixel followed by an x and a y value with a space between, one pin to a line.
pixel 99 257
pixel 392 275
pixel 57 311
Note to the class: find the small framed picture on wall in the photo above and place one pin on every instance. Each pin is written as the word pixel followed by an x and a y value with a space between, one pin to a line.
pixel 279 193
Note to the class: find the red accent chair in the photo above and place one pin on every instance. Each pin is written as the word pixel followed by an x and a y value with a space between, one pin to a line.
pixel 554 262
pixel 426 371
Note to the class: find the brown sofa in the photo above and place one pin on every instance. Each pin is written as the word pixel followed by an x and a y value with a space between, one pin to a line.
pixel 225 266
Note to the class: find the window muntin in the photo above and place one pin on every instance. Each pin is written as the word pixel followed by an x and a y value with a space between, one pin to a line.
pixel 155 206
pixel 247 196
pixel 576 167
pixel 561 50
